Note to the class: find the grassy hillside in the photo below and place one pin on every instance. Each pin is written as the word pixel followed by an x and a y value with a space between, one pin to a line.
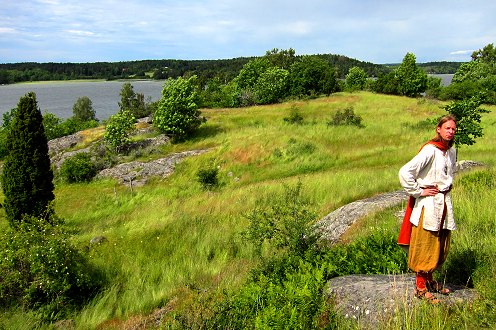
pixel 171 243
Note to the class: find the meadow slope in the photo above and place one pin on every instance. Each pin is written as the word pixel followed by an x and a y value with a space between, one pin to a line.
pixel 170 239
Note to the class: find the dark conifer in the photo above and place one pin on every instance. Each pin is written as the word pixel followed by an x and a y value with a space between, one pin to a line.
pixel 27 178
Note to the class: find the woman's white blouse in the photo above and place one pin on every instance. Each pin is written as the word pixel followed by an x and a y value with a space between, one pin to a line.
pixel 430 167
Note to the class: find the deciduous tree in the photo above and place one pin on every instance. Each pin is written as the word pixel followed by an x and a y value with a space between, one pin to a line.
pixel 118 129
pixel 132 101
pixel 83 109
pixel 412 79
pixel 468 116
pixel 479 73
pixel 271 86
pixel 177 113
pixel 312 75
pixel 251 71
pixel 356 79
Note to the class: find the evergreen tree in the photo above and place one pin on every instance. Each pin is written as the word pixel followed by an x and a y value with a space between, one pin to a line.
pixel 27 179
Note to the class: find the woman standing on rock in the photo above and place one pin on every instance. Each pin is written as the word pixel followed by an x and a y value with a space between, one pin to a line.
pixel 429 220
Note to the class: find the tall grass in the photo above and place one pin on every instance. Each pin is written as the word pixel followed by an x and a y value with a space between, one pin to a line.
pixel 171 242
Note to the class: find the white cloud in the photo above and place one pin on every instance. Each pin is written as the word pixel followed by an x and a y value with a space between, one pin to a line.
pixel 80 33
pixel 379 31
pixel 462 52
pixel 7 30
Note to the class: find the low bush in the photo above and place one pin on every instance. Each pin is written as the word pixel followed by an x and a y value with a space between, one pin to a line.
pixel 283 222
pixel 478 179
pixel 208 178
pixel 42 270
pixel 425 124
pixel 346 117
pixel 294 118
pixel 285 292
pixel 78 168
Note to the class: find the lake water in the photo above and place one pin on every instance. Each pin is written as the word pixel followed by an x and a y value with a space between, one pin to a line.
pixel 59 97
pixel 445 78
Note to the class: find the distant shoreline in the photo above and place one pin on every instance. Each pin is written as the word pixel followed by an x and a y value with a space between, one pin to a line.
pixel 75 81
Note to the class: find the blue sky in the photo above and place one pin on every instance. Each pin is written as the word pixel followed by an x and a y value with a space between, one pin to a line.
pixel 381 31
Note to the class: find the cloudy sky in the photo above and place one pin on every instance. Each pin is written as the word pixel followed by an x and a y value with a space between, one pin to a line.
pixel 379 31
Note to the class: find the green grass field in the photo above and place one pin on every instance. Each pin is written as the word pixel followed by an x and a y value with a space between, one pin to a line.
pixel 170 239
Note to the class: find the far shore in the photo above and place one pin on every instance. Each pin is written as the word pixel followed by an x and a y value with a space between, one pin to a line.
pixel 78 81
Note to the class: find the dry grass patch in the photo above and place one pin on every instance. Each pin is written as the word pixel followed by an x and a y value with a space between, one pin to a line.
pixel 92 134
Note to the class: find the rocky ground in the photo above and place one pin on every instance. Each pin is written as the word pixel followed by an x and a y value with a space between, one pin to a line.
pixel 369 299
pixel 132 173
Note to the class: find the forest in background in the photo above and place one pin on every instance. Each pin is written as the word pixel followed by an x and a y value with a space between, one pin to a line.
pixel 222 69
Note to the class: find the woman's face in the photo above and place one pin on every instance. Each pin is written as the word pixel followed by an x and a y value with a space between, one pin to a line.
pixel 447 130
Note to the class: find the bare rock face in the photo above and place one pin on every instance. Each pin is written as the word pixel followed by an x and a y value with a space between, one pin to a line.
pixel 60 145
pixel 137 173
pixel 336 223
pixel 372 298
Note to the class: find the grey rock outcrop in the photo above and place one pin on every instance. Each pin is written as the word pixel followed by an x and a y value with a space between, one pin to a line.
pixel 137 173
pixel 336 223
pixel 372 298
pixel 60 145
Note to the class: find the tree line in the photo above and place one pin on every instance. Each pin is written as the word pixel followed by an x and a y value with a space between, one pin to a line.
pixel 222 69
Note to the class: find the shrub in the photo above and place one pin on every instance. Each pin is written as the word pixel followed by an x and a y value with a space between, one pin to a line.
pixel 294 117
pixel 425 124
pixel 346 117
pixel 479 179
pixel 42 270
pixel 461 266
pixel 208 178
pixel 292 285
pixel 118 129
pixel 55 127
pixel 294 149
pixel 375 254
pixel 434 87
pixel 459 91
pixel 78 168
pixel 282 222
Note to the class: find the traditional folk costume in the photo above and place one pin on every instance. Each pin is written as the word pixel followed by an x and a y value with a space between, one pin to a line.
pixel 428 220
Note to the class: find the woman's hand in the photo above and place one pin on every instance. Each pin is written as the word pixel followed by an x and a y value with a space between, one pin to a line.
pixel 429 191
